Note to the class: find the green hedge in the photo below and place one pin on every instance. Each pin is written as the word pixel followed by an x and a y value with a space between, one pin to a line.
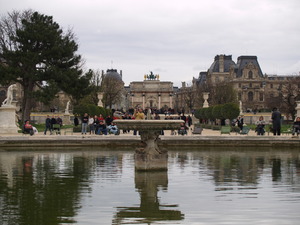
pixel 226 111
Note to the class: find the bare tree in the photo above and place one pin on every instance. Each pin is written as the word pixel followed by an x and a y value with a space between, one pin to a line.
pixel 289 93
pixel 112 89
pixel 219 93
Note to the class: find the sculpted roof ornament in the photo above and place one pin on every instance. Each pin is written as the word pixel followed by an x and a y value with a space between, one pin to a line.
pixel 151 76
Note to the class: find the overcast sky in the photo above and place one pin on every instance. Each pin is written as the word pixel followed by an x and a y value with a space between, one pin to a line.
pixel 176 39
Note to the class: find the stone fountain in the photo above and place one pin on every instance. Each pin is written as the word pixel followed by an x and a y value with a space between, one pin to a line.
pixel 150 156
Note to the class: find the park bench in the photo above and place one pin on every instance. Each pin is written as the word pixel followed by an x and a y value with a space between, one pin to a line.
pixel 56 128
pixel 225 130
pixel 245 131
pixel 288 131
pixel 197 130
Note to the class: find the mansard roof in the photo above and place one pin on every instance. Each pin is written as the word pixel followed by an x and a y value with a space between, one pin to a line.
pixel 228 62
pixel 243 61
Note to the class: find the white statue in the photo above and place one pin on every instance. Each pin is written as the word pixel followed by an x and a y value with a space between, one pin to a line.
pixel 9 98
pixel 241 108
pixel 67 108
pixel 149 114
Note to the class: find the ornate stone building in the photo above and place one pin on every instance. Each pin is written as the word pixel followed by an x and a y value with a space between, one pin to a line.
pixel 253 87
pixel 151 93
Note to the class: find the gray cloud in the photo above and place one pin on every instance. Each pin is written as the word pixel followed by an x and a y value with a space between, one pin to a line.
pixel 175 38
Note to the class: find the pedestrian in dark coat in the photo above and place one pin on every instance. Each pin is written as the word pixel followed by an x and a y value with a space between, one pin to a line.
pixel 276 120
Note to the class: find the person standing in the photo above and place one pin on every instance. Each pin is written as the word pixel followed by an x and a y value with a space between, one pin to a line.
pixel 138 115
pixel 47 125
pixel 53 121
pixel 76 121
pixel 189 121
pixel 240 122
pixel 91 125
pixel 84 124
pixel 276 120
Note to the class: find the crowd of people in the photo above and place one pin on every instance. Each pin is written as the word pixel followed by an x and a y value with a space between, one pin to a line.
pixel 53 124
pixel 105 125
pixel 97 125
pixel 93 124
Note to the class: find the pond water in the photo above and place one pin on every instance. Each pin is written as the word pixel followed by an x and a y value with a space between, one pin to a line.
pixel 100 186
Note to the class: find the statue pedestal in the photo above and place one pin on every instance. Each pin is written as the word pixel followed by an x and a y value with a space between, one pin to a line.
pixel 8 120
pixel 66 119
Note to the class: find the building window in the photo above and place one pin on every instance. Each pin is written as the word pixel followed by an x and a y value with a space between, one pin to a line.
pixel 250 75
pixel 250 85
pixel 261 96
pixel 250 96
pixel 271 85
pixel 240 96
pixel 240 85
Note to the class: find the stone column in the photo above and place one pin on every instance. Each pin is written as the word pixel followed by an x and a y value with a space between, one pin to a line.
pixel 8 120
pixel 132 100
pixel 143 100
pixel 171 105
pixel 159 100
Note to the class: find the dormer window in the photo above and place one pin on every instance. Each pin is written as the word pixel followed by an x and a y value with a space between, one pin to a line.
pixel 250 75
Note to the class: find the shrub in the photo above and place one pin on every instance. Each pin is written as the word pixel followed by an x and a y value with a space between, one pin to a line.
pixel 230 111
pixel 217 112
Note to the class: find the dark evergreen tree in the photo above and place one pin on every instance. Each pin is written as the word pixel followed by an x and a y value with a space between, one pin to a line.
pixel 36 53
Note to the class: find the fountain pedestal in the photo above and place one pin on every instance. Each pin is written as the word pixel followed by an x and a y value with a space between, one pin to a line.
pixel 149 156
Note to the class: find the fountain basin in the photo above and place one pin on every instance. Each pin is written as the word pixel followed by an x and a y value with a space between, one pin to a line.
pixel 149 157
pixel 145 125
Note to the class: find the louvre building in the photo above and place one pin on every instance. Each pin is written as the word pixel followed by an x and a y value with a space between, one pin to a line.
pixel 253 87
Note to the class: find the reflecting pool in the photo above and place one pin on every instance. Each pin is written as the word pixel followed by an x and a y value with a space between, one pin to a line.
pixel 99 186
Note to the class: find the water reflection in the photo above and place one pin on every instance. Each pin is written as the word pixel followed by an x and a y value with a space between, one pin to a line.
pixel 150 210
pixel 212 186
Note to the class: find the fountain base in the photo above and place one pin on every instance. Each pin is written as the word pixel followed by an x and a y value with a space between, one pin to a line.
pixel 144 161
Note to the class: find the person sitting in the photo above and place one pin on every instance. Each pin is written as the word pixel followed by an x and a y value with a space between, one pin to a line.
pixel 260 126
pixel 183 129
pixel 102 128
pixel 296 127
pixel 113 129
pixel 28 129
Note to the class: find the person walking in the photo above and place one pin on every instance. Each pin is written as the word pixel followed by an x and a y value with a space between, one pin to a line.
pixel 276 121
pixel 47 125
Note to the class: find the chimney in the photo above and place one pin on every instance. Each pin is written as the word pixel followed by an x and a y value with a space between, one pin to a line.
pixel 221 64
pixel 121 73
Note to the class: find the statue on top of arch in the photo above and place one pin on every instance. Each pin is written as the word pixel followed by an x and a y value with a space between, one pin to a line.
pixel 151 76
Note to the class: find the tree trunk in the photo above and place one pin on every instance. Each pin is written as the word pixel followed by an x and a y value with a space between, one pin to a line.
pixel 27 100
